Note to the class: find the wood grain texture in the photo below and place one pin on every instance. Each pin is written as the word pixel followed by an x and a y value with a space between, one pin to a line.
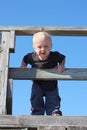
pixel 53 30
pixel 47 74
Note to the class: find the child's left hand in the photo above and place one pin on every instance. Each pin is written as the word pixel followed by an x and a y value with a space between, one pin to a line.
pixel 60 68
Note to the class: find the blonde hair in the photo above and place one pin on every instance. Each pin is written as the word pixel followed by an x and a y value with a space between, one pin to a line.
pixel 43 35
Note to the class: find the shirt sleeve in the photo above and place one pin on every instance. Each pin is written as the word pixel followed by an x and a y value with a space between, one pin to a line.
pixel 60 57
pixel 27 58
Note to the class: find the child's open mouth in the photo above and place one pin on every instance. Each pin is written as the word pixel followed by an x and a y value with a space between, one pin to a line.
pixel 43 53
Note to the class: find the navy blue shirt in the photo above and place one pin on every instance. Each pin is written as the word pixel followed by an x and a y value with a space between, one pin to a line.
pixel 53 60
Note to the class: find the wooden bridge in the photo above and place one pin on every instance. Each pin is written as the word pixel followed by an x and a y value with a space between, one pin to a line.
pixel 7 75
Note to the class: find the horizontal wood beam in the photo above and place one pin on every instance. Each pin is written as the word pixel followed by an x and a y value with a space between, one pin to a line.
pixel 53 30
pixel 47 74
pixel 10 121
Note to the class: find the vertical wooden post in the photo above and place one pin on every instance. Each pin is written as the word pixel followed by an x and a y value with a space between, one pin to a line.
pixel 4 61
pixel 10 81
pixel 12 41
pixel 9 97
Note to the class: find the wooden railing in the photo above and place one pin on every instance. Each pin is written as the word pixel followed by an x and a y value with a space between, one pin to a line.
pixel 47 74
pixel 7 45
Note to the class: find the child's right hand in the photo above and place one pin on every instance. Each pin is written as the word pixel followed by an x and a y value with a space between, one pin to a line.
pixel 23 67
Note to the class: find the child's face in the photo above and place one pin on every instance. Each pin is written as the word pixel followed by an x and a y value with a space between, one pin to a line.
pixel 42 48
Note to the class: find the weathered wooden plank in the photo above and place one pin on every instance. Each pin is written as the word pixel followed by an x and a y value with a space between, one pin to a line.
pixel 53 30
pixel 0 42
pixel 77 128
pixel 51 128
pixel 4 59
pixel 7 121
pixel 47 74
pixel 0 37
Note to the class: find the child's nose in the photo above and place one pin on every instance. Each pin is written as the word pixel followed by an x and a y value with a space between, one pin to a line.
pixel 42 48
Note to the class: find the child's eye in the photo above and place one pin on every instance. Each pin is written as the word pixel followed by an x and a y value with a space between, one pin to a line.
pixel 39 47
pixel 46 46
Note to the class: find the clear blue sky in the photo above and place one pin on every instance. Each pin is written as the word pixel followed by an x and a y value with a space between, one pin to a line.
pixel 49 13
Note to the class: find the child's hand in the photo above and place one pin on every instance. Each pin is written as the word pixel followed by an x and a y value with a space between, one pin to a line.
pixel 23 67
pixel 60 68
